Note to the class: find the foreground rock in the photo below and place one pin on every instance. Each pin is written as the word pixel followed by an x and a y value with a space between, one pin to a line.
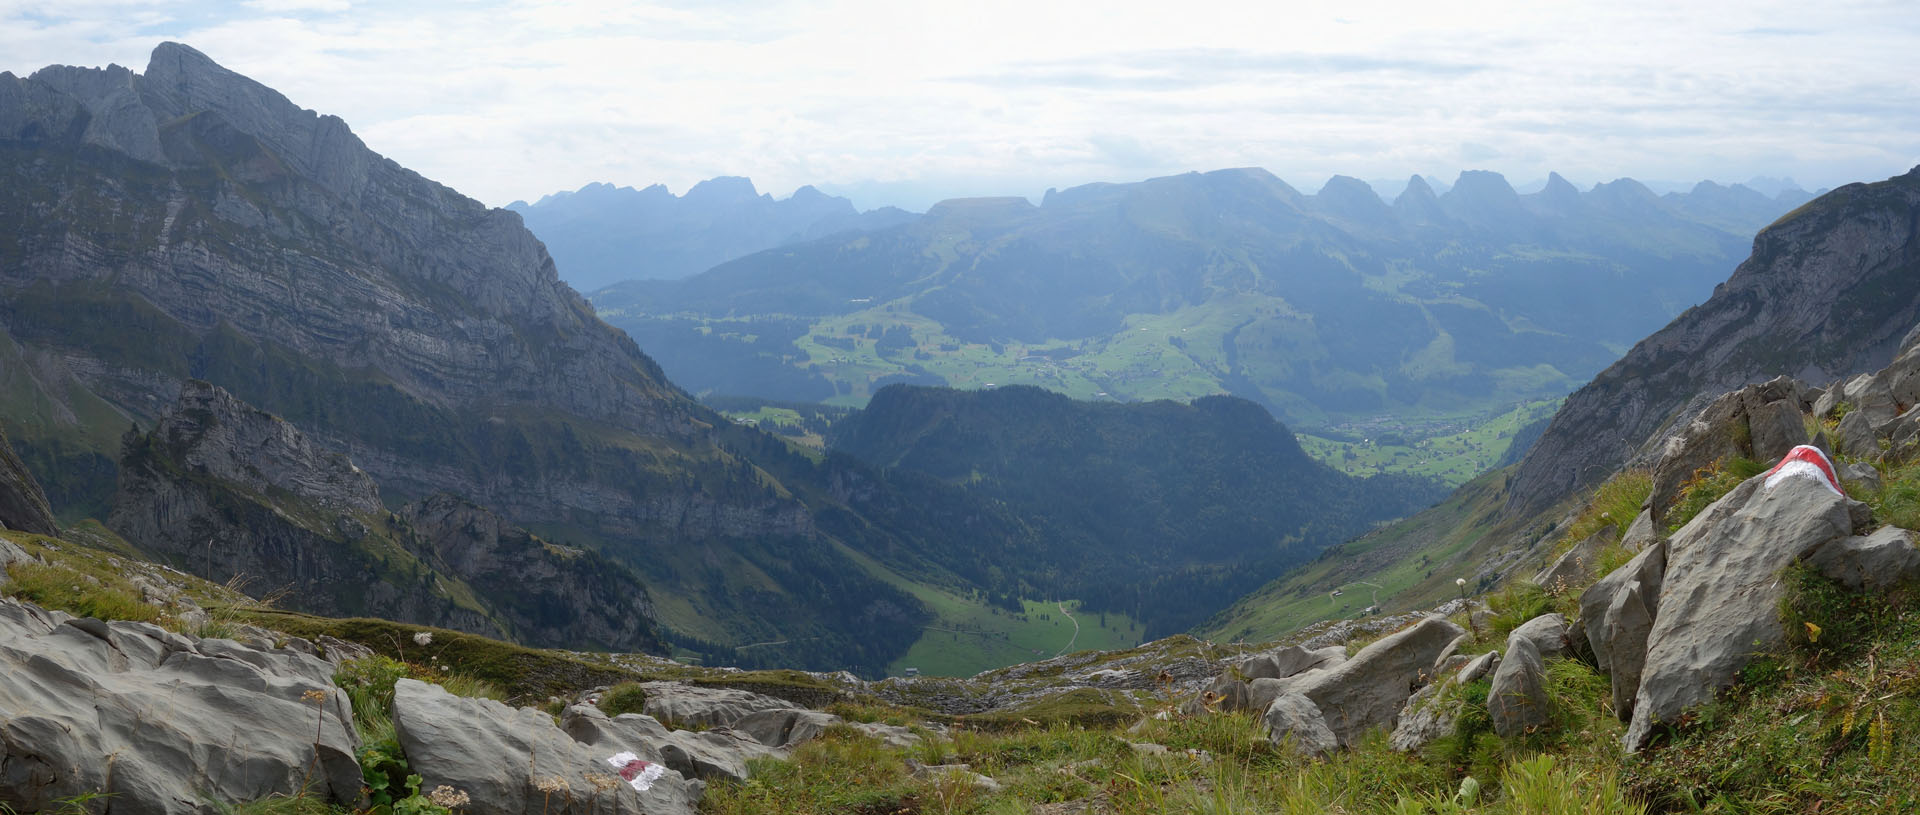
pixel 1368 690
pixel 704 755
pixel 1517 702
pixel 1878 562
pixel 1431 712
pixel 685 705
pixel 1720 597
pixel 517 761
pixel 186 722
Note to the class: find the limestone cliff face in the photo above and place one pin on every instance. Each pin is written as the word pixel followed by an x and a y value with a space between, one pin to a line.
pixel 1830 290
pixel 227 492
pixel 22 505
pixel 223 490
pixel 545 592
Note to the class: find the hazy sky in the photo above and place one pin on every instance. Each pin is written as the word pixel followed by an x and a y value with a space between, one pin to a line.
pixel 904 102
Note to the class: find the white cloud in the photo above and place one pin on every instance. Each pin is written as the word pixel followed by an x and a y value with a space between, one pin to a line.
pixel 508 99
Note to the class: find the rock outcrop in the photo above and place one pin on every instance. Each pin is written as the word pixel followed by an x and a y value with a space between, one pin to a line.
pixel 545 593
pixel 1517 702
pixel 518 762
pixel 23 506
pixel 1878 562
pixel 1431 712
pixel 1367 691
pixel 225 491
pixel 186 722
pixel 704 755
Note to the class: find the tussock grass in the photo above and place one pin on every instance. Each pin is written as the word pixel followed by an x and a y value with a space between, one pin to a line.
pixel 78 593
pixel 1707 485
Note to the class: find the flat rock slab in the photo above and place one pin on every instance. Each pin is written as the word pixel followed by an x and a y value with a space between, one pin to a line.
pixel 185 720
pixel 517 761
pixel 704 755
pixel 688 705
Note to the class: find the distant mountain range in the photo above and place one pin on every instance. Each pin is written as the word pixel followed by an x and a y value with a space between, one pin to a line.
pixel 601 234
pixel 1322 308
pixel 254 347
pixel 1829 292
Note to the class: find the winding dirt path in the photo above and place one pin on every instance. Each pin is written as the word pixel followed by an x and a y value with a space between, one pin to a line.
pixel 1076 629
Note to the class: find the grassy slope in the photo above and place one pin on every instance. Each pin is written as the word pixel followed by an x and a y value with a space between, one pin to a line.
pixel 968 636
pixel 1476 443
pixel 1414 562
pixel 1176 355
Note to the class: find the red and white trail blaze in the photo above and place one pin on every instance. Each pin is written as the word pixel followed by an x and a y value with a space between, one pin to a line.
pixel 1805 461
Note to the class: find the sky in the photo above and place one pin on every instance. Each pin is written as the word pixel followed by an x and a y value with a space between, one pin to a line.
pixel 898 102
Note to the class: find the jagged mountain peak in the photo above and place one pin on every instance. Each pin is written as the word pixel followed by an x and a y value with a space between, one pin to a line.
pixel 726 189
pixel 1829 291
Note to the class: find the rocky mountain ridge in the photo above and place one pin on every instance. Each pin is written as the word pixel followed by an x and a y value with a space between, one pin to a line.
pixel 1324 308
pixel 1829 291
pixel 601 234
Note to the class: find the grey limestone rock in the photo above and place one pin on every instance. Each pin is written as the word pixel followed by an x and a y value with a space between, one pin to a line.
pixel 1429 714
pixel 703 755
pixel 785 728
pixel 1517 703
pixel 23 506
pixel 1629 622
pixel 1644 570
pixel 1284 662
pixel 687 705
pixel 1294 719
pixel 1718 601
pixel 1575 564
pixel 187 722
pixel 1876 562
pixel 1548 633
pixel 1367 691
pixel 517 761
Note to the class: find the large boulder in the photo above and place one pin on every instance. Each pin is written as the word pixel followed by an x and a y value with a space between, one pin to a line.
pixel 688 705
pixel 518 762
pixel 1644 570
pixel 1629 623
pixel 188 724
pixel 1548 633
pixel 1231 690
pixel 1368 690
pixel 704 754
pixel 1281 663
pixel 1432 712
pixel 1756 422
pixel 1876 562
pixel 1294 719
pixel 1719 601
pixel 785 728
pixel 1517 703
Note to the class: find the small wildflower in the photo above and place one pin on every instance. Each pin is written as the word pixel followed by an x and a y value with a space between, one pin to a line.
pixel 448 797
pixel 423 638
pixel 314 696
pixel 551 784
